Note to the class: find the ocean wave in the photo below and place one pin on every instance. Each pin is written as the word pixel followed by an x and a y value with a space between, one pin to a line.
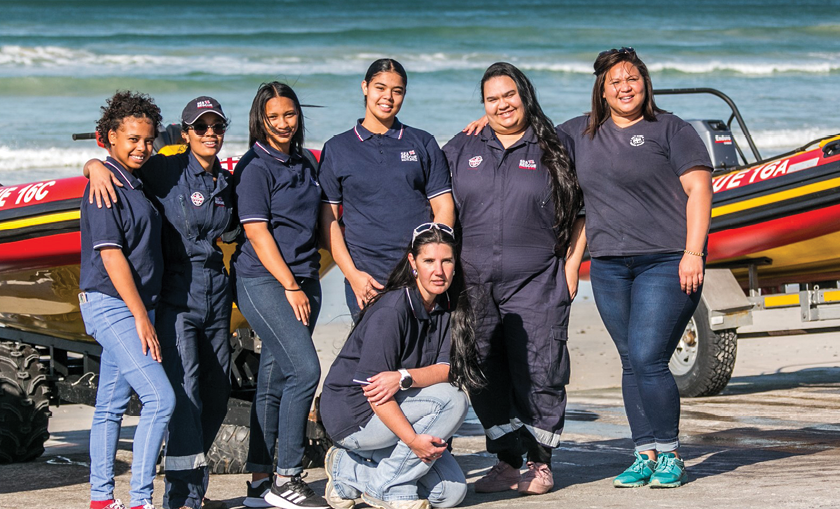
pixel 48 60
pixel 778 140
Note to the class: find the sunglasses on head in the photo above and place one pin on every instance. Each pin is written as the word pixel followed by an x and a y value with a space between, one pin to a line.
pixel 201 128
pixel 627 50
pixel 423 228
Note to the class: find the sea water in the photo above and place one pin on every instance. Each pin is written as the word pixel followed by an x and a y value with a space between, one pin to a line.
pixel 60 59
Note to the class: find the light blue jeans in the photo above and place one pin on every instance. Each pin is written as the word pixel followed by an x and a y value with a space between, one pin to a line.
pixel 123 367
pixel 375 461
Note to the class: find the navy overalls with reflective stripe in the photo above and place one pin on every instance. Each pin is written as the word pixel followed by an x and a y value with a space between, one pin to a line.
pixel 506 216
pixel 193 318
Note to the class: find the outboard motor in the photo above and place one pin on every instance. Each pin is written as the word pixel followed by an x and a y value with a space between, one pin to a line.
pixel 718 139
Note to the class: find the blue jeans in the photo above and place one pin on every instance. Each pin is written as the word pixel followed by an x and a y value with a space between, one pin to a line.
pixel 352 303
pixel 373 460
pixel 123 367
pixel 645 311
pixel 289 372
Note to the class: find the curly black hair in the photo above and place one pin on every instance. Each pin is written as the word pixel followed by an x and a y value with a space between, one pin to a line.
pixel 126 103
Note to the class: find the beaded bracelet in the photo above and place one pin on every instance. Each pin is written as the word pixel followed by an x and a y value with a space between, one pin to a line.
pixel 686 251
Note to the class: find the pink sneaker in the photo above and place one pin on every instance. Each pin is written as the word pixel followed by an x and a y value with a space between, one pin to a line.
pixel 537 480
pixel 501 477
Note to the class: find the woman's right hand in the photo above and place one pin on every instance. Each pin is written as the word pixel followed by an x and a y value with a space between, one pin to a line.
pixel 102 183
pixel 427 447
pixel 364 287
pixel 300 305
pixel 475 126
pixel 148 336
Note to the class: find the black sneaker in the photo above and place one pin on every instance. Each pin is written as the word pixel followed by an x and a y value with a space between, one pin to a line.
pixel 256 493
pixel 295 493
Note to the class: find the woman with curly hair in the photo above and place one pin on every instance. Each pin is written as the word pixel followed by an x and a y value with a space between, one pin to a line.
pixel 121 277
pixel 517 199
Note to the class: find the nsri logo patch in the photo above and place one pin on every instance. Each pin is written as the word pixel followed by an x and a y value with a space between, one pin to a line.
pixel 197 199
pixel 637 140
pixel 527 164
pixel 408 156
pixel 475 161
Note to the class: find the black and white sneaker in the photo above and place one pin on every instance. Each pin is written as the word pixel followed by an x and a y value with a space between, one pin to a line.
pixel 295 493
pixel 257 492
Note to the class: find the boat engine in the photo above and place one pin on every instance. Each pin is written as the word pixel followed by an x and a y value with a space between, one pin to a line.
pixel 718 139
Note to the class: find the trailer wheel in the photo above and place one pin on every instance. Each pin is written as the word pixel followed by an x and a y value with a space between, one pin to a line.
pixel 704 359
pixel 24 403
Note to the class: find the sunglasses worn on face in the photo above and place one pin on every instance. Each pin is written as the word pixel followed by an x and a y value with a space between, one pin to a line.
pixel 624 50
pixel 201 129
pixel 428 226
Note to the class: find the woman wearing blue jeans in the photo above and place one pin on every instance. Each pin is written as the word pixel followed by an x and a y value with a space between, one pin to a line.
pixel 393 396
pixel 121 275
pixel 646 181
pixel 277 290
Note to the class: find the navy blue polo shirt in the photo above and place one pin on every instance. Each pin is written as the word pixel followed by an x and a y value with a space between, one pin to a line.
pixel 505 205
pixel 396 332
pixel 630 177
pixel 385 182
pixel 281 190
pixel 133 225
pixel 197 208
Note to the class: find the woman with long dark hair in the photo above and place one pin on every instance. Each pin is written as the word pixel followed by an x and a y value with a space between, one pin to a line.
pixel 278 291
pixel 646 178
pixel 388 177
pixel 394 394
pixel 517 200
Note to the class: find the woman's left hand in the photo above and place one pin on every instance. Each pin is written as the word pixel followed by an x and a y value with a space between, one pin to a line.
pixel 691 273
pixel 382 387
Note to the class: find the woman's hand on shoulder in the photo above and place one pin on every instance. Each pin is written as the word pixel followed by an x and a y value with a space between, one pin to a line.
pixel 475 126
pixel 427 447
pixel 102 183
pixel 382 387
pixel 691 273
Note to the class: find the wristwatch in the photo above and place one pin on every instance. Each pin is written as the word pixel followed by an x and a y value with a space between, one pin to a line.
pixel 405 380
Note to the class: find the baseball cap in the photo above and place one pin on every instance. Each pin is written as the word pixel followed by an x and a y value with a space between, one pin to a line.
pixel 198 107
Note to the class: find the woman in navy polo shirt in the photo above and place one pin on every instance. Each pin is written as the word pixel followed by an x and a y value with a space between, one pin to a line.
pixel 393 395
pixel 388 177
pixel 278 291
pixel 121 272
pixel 646 178
pixel 517 199
pixel 193 320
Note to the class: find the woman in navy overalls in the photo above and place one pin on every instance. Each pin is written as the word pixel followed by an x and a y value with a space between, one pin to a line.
pixel 517 199
pixel 389 177
pixel 193 320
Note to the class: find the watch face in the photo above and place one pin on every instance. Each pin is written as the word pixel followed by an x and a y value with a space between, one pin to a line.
pixel 405 382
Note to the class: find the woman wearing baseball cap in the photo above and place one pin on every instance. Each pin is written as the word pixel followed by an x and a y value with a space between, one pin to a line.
pixel 193 318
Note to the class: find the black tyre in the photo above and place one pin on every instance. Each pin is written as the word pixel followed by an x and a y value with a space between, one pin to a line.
pixel 704 359
pixel 24 403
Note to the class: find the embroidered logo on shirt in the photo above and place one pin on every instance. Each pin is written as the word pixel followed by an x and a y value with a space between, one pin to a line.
pixel 475 161
pixel 197 199
pixel 408 156
pixel 637 140
pixel 219 201
pixel 528 164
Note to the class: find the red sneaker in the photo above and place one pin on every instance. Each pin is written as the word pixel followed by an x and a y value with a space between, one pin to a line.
pixel 106 504
pixel 501 477
pixel 537 480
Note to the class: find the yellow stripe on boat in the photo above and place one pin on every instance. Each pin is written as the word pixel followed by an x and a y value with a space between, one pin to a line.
pixel 776 197
pixel 831 296
pixel 775 301
pixel 39 220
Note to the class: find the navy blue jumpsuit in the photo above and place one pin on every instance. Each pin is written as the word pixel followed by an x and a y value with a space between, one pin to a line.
pixel 506 214
pixel 193 318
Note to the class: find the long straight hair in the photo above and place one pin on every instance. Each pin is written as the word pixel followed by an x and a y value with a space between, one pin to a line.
pixel 564 183
pixel 258 125
pixel 600 109
pixel 464 371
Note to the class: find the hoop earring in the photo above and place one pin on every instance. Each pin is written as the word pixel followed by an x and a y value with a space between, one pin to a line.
pixel 414 273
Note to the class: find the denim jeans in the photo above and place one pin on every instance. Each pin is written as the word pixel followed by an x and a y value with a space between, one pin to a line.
pixel 645 311
pixel 123 367
pixel 289 372
pixel 373 460
pixel 352 303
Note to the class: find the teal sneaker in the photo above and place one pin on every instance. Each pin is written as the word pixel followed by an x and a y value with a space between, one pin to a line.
pixel 638 474
pixel 669 473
